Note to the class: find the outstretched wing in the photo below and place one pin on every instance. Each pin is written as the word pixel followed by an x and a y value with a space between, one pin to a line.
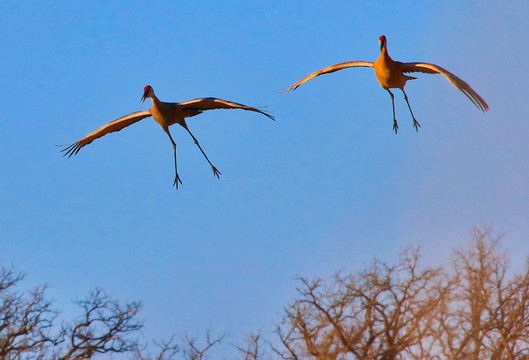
pixel 329 70
pixel 454 80
pixel 116 125
pixel 211 103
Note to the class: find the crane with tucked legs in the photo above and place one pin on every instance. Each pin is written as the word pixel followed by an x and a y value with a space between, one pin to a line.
pixel 392 74
pixel 165 114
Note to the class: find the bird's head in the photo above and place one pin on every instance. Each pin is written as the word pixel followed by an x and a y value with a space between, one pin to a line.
pixel 383 42
pixel 147 93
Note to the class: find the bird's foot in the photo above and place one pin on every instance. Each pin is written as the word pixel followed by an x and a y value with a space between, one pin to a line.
pixel 215 172
pixel 176 181
pixel 395 126
pixel 416 125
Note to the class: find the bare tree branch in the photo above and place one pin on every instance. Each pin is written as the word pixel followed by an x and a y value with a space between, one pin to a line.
pixel 167 350
pixel 104 328
pixel 193 351
pixel 253 348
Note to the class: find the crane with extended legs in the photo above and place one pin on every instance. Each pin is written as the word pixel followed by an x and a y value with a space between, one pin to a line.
pixel 165 114
pixel 392 74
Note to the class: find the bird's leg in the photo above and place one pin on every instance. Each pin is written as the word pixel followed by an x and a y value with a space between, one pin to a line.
pixel 176 177
pixel 395 125
pixel 416 124
pixel 215 171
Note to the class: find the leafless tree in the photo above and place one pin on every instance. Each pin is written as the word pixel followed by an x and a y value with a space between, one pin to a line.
pixel 487 316
pixel 26 319
pixel 104 327
pixel 28 328
pixel 384 312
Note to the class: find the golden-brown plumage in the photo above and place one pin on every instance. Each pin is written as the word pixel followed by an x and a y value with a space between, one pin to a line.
pixel 391 74
pixel 165 114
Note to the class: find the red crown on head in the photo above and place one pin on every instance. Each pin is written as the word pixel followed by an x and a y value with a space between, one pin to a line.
pixel 146 87
pixel 382 38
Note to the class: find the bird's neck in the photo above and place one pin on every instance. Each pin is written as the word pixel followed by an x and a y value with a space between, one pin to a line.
pixel 160 109
pixel 384 52
pixel 384 56
pixel 155 101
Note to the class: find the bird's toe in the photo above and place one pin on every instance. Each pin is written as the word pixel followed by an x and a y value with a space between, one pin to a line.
pixel 395 127
pixel 416 125
pixel 176 181
pixel 216 172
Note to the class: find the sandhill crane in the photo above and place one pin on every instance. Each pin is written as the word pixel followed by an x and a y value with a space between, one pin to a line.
pixel 390 74
pixel 165 114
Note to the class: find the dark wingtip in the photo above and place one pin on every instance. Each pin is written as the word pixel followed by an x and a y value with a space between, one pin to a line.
pixel 267 115
pixel 260 110
pixel 71 149
pixel 484 106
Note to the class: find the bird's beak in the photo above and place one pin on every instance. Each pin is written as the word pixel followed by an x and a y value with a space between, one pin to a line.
pixel 144 97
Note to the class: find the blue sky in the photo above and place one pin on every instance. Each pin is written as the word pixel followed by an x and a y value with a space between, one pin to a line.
pixel 327 186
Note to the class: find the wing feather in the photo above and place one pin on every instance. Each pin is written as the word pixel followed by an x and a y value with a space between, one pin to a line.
pixel 454 80
pixel 116 125
pixel 328 70
pixel 211 103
